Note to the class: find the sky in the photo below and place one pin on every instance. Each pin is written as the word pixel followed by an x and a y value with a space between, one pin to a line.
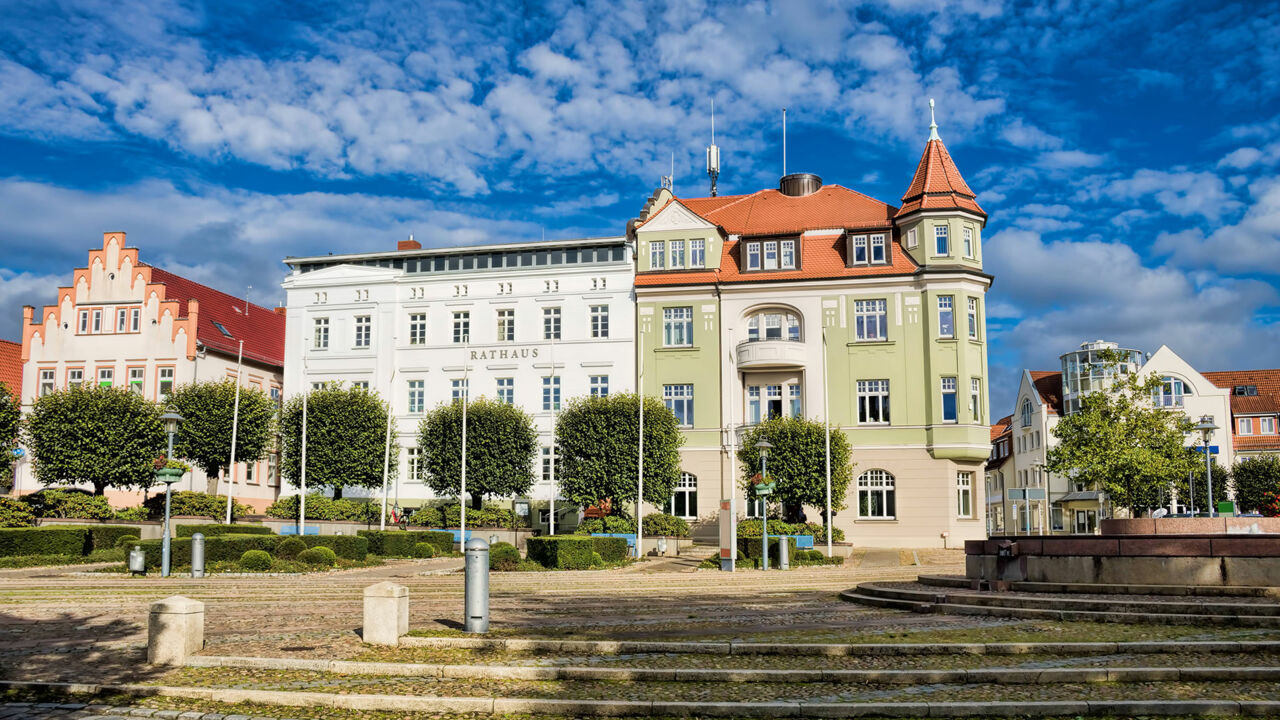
pixel 1126 152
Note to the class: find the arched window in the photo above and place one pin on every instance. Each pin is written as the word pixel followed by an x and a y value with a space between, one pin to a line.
pixel 876 495
pixel 1170 392
pixel 773 324
pixel 684 501
pixel 1026 412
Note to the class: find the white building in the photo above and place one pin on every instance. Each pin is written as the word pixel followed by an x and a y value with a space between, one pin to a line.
pixel 533 324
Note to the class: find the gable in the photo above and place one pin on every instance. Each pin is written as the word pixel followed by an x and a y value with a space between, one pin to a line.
pixel 675 216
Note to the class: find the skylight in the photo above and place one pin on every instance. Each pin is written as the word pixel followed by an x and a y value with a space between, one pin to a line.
pixel 221 329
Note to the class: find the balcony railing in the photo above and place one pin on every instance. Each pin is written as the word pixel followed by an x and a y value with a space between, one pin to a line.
pixel 770 353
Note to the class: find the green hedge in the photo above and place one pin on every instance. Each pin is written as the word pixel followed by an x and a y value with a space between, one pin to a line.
pixel 751 528
pixel 750 547
pixel 611 549
pixel 563 552
pixel 211 530
pixel 230 547
pixel 450 516
pixel 191 502
pixel 320 507
pixel 615 523
pixel 52 540
pixel 662 524
pixel 399 543
pixel 105 537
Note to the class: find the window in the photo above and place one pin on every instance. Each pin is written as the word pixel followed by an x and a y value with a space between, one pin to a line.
pixel 772 401
pixel 506 325
pixel 459 390
pixel 975 398
pixel 796 402
pixel 968 242
pixel 870 319
pixel 753 256
pixel 97 321
pixel 222 329
pixel 75 377
pixel 84 321
pixel 418 329
pixel 878 254
pixel 551 323
pixel 48 381
pixel 1246 390
pixel 364 330
pixel 414 466
pixel 677 254
pixel 462 327
pixel 912 240
pixel 753 404
pixel 550 393
pixel 166 382
pixel 105 377
pixel 599 386
pixel 876 495
pixel 248 472
pixel 948 399
pixel 697 253
pixel 417 396
pixel 548 455
pixel 942 242
pixel 684 501
pixel 1026 412
pixel 964 494
pixel 755 507
pixel 507 390
pixel 657 255
pixel 273 469
pixel 362 384
pixel 973 318
pixel 1244 426
pixel 771 255
pixel 677 326
pixel 136 377
pixel 679 398
pixel 122 320
pixel 873 402
pixel 946 317
pixel 1170 393
pixel 777 325
pixel 320 339
pixel 788 254
pixel 599 321
pixel 135 319
pixel 860 250
pixel 1267 426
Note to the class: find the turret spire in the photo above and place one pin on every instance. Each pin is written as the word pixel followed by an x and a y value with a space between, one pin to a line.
pixel 933 123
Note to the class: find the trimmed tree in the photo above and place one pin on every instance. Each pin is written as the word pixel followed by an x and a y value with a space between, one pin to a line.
pixel 1256 480
pixel 598 438
pixel 10 423
pixel 502 446
pixel 1121 442
pixel 208 410
pixel 346 438
pixel 107 437
pixel 798 464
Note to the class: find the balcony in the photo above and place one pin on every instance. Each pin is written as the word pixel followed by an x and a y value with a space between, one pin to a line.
pixel 763 354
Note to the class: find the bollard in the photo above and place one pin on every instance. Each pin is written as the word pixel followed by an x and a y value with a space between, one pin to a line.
pixel 137 561
pixel 386 613
pixel 197 555
pixel 174 630
pixel 784 554
pixel 476 595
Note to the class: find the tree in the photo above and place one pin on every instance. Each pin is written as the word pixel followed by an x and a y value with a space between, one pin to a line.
pixel 1124 444
pixel 10 423
pixel 798 464
pixel 502 446
pixel 1254 478
pixel 346 438
pixel 207 410
pixel 107 437
pixel 598 438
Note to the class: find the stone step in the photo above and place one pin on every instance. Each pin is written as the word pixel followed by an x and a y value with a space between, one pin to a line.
pixel 964 583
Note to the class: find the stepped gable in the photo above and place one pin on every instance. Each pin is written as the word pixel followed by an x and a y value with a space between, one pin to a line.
pixel 261 329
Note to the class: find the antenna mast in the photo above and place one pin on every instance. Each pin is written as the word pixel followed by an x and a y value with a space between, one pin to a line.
pixel 784 142
pixel 713 152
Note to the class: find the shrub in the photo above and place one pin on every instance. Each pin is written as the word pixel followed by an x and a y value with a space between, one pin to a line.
pixel 666 525
pixel 562 552
pixel 320 507
pixel 211 530
pixel 289 548
pixel 400 543
pixel 229 548
pixel 133 514
pixel 126 542
pixel 15 513
pixel 255 560
pixel 424 550
pixel 608 524
pixel 53 540
pixel 350 547
pixel 596 560
pixel 751 528
pixel 104 537
pixel 751 548
pixel 77 504
pixel 486 517
pixel 503 556
pixel 611 549
pixel 319 555
pixel 188 502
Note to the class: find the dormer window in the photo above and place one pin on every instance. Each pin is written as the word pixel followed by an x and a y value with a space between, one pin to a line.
pixel 788 260
pixel 771 255
pixel 753 256
pixel 860 250
pixel 697 253
pixel 878 253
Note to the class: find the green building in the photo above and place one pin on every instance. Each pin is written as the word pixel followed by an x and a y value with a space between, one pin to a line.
pixel 734 295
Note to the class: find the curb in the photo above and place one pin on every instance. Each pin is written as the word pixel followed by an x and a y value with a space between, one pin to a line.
pixel 614 708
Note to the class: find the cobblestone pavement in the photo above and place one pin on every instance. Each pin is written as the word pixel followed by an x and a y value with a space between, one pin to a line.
pixel 80 711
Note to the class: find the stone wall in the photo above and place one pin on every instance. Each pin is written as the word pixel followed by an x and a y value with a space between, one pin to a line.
pixel 1189 526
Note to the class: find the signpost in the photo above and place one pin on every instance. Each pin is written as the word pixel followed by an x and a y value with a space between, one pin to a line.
pixel 763 491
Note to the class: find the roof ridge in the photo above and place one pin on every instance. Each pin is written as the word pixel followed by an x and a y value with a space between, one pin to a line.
pixel 228 296
pixel 859 193
pixel 735 202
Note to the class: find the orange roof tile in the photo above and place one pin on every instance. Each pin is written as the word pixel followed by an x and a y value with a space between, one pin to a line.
pixel 1267 381
pixel 11 366
pixel 1255 443
pixel 261 329
pixel 937 184
pixel 1002 426
pixel 1049 384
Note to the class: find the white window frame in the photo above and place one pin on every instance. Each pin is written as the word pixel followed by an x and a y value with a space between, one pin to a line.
pixel 550 393
pixel 417 328
pixel 687 486
pixel 164 375
pixel 677 326
pixel 657 255
pixel 107 375
pixel 599 321
pixel 866 313
pixel 417 397
pixel 1026 412
pixel 787 255
pixel 948 387
pixel 75 377
pixel 873 402
pixel 599 385
pixel 122 319
pixel 975 398
pixel 753 404
pixel 879 483
pixel 462 327
pixel 946 308
pixel 459 389
pixel 679 397
pixel 506 390
pixel 138 380
pixel 880 246
pixel 795 400
pixel 753 256
pixel 677 254
pixel 770 254
pixel 964 494
pixel 413 465
pixel 912 242
pixel 697 253
pixel 135 319
pixel 941 241
pixel 363 327
pixel 84 322
pixel 1266 426
pixel 973 318
pixel 861 250
pixel 1244 426
pixel 552 325
pixel 97 321
pixel 506 325
pixel 320 333
pixel 48 381
pixel 967 235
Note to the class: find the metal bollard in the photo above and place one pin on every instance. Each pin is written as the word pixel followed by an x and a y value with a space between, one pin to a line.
pixel 784 553
pixel 476 601
pixel 137 561
pixel 197 555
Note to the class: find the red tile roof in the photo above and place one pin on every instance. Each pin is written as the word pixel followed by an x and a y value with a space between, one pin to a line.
pixel 1049 384
pixel 1002 426
pixel 11 366
pixel 937 184
pixel 1255 443
pixel 261 329
pixel 1267 381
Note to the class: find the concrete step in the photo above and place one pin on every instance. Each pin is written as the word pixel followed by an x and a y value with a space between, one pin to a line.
pixel 964 583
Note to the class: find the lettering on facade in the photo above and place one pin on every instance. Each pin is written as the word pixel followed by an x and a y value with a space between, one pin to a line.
pixel 505 354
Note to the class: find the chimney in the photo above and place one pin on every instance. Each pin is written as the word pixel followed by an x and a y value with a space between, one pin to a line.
pixel 409 244
pixel 280 311
pixel 799 184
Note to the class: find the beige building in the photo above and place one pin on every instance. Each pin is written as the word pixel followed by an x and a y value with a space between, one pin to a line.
pixel 123 322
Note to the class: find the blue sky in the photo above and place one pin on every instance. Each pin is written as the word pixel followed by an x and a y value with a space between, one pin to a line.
pixel 1126 152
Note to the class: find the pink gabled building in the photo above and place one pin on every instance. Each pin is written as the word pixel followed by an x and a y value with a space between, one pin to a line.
pixel 123 322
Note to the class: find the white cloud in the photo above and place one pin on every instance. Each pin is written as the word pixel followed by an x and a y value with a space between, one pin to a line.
pixel 1068 160
pixel 1182 192
pixel 1250 246
pixel 1029 137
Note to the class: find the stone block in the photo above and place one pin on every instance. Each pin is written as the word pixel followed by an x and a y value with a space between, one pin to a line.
pixel 1077 545
pixel 974 547
pixel 571 707
pixel 1191 526
pixel 1255 546
pixel 863 709
pixel 386 613
pixel 1169 546
pixel 175 630
pixel 726 709
pixel 1135 526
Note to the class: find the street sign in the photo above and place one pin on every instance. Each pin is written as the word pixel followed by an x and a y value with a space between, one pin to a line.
pixel 763 489
pixel 1213 449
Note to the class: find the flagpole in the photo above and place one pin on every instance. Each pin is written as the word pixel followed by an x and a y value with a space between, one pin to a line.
pixel 826 415
pixel 386 454
pixel 466 397
pixel 306 394
pixel 235 422
pixel 555 403
pixel 640 460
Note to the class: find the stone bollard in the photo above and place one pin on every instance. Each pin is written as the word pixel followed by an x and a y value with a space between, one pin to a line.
pixel 386 613
pixel 174 630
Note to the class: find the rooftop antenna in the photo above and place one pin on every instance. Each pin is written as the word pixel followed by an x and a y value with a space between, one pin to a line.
pixel 784 142
pixel 713 152
pixel 933 124
pixel 246 299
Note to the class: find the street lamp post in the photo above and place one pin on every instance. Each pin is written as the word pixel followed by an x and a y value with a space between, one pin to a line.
pixel 763 490
pixel 168 476
pixel 1206 428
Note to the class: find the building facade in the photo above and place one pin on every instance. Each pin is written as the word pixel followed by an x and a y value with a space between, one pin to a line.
pixel 530 324
pixel 125 323
pixel 819 301
pixel 1255 410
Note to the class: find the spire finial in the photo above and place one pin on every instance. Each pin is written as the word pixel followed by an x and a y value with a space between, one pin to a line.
pixel 933 123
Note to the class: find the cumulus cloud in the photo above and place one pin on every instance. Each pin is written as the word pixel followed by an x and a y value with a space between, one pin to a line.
pixel 1182 192
pixel 1250 246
